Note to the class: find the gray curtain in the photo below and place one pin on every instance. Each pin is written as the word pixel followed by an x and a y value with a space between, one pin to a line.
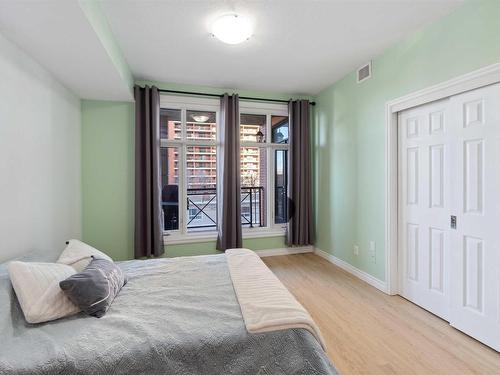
pixel 148 235
pixel 300 227
pixel 229 235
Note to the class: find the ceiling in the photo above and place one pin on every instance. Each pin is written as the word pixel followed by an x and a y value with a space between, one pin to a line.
pixel 298 46
pixel 58 35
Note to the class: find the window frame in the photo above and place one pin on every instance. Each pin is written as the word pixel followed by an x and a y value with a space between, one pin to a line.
pixel 185 104
pixel 269 110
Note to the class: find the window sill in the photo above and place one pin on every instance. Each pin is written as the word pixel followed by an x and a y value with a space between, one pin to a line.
pixel 178 239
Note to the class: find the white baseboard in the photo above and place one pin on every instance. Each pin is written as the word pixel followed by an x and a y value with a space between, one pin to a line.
pixel 366 277
pixel 285 251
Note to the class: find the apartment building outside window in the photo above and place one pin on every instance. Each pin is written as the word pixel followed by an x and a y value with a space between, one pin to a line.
pixel 189 166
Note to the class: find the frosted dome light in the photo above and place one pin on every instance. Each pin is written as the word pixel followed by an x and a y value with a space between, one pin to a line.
pixel 232 28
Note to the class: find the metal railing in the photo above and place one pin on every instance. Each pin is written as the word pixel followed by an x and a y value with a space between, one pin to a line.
pixel 203 201
pixel 280 205
pixel 253 199
pixel 202 208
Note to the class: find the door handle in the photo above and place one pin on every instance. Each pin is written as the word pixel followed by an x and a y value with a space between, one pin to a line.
pixel 453 222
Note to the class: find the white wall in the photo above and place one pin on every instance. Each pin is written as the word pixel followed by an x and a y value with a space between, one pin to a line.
pixel 40 166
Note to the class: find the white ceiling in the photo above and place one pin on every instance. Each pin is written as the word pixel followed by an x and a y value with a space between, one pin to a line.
pixel 58 35
pixel 299 46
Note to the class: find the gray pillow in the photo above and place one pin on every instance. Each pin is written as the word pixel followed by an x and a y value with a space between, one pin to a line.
pixel 94 289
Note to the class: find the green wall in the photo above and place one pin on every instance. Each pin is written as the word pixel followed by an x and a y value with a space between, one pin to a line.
pixel 108 177
pixel 349 129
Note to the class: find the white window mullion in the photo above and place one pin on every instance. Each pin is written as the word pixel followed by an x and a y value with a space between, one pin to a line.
pixel 220 169
pixel 170 143
pixel 182 189
pixel 183 176
pixel 183 125
pixel 208 143
pixel 270 184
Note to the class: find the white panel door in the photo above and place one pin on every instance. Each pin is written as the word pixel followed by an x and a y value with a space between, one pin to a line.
pixel 424 206
pixel 476 241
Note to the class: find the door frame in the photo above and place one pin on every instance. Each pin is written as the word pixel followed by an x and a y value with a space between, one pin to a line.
pixel 479 78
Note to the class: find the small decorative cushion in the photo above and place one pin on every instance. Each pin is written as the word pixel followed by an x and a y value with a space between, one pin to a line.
pixel 78 255
pixel 94 289
pixel 37 289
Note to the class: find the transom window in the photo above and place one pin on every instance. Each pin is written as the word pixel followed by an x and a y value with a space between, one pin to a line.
pixel 189 165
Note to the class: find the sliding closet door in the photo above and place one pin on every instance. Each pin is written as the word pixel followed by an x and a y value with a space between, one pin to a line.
pixel 476 243
pixel 449 210
pixel 425 200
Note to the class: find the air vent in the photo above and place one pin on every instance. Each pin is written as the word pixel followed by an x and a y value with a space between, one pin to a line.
pixel 364 73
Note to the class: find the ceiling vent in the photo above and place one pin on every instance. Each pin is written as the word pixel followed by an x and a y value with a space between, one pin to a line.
pixel 364 72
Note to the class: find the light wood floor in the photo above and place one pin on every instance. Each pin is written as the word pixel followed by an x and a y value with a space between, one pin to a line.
pixel 369 332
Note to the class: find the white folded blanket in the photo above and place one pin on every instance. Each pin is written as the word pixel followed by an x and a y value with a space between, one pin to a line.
pixel 266 305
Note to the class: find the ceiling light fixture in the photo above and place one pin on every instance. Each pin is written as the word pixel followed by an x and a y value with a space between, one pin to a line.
pixel 200 118
pixel 232 28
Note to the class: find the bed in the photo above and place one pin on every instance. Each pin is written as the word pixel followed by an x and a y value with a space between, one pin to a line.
pixel 174 316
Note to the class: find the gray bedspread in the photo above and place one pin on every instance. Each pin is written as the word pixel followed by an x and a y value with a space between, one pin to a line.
pixel 174 316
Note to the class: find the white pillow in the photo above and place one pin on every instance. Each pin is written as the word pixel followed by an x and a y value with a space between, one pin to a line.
pixel 37 289
pixel 79 255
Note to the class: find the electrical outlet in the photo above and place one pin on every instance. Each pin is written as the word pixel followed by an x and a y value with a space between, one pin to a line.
pixel 355 249
pixel 372 252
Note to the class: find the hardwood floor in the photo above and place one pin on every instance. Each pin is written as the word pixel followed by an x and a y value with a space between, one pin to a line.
pixel 369 332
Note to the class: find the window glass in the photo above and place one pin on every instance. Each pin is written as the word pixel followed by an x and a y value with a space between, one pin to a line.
pixel 252 128
pixel 170 187
pixel 280 186
pixel 194 215
pixel 201 125
pixel 279 129
pixel 253 163
pixel 201 179
pixel 189 188
pixel 170 123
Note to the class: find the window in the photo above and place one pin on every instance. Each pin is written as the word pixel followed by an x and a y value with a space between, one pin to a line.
pixel 280 186
pixel 195 215
pixel 170 187
pixel 170 123
pixel 264 165
pixel 279 135
pixel 279 129
pixel 201 180
pixel 189 166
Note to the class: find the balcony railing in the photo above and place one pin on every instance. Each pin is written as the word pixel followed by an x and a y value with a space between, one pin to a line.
pixel 201 208
pixel 201 213
pixel 252 206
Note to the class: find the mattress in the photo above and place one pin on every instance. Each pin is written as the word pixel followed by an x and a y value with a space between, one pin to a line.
pixel 174 316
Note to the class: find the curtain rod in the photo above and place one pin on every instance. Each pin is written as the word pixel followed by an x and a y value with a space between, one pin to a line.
pixel 219 95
